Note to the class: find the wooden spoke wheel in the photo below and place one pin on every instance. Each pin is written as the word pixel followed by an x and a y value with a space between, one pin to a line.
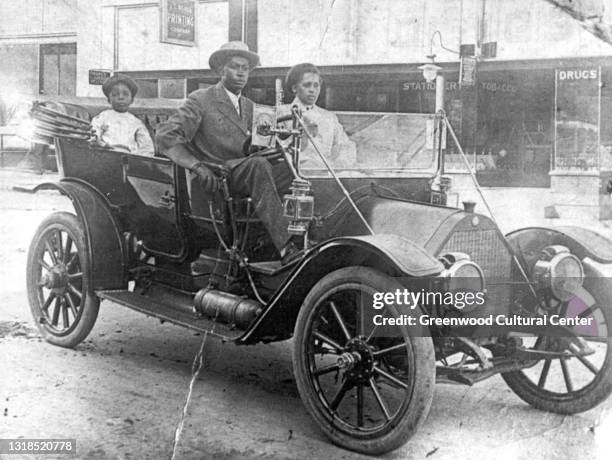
pixel 368 391
pixel 61 301
pixel 579 376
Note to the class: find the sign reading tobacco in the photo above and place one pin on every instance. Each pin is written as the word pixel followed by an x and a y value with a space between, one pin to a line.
pixel 178 22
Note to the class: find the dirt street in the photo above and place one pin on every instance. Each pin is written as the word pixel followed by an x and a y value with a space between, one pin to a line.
pixel 120 394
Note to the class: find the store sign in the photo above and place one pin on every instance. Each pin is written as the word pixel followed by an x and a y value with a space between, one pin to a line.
pixel 178 22
pixel 498 87
pixel 491 86
pixel 577 119
pixel 467 71
pixel 98 77
pixel 428 86
pixel 574 75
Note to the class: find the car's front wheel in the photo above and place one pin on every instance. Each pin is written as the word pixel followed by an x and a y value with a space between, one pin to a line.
pixel 61 300
pixel 578 375
pixel 369 392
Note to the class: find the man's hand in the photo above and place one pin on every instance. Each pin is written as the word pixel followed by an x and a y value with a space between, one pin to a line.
pixel 208 181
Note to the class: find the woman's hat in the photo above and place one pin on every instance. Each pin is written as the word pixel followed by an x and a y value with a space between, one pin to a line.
pixel 107 86
pixel 230 49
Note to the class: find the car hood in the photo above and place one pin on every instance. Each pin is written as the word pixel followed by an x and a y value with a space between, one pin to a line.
pixel 437 229
pixel 418 222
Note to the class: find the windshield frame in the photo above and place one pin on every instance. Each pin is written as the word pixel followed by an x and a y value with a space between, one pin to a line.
pixel 378 172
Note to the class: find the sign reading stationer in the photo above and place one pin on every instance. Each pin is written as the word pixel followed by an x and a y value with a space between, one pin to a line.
pixel 178 22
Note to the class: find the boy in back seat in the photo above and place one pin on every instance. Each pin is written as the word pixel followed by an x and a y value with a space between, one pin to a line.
pixel 116 128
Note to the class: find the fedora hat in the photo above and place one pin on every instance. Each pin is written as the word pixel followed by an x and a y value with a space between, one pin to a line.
pixel 230 49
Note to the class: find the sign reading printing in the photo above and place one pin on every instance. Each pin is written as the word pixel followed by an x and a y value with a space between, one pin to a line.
pixel 178 22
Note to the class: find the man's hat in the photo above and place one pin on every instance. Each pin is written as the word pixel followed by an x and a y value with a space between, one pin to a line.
pixel 107 86
pixel 228 50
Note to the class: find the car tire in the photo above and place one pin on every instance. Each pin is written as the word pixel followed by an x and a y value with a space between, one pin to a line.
pixel 554 387
pixel 62 303
pixel 411 364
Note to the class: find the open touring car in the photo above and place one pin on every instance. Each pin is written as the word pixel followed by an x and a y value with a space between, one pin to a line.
pixel 145 237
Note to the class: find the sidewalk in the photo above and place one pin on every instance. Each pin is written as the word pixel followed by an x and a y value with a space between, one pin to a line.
pixel 515 208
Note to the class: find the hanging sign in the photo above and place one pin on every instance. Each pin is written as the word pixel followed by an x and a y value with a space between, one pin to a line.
pixel 98 77
pixel 467 72
pixel 178 22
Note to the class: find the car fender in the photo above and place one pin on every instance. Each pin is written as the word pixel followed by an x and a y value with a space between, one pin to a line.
pixel 390 254
pixel 581 241
pixel 102 232
pixel 593 249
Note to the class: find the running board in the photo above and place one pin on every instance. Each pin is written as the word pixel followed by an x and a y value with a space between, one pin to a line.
pixel 172 306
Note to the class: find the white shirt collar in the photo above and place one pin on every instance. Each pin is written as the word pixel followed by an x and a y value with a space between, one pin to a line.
pixel 301 106
pixel 235 98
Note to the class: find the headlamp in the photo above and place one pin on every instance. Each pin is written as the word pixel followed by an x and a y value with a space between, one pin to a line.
pixel 560 271
pixel 462 274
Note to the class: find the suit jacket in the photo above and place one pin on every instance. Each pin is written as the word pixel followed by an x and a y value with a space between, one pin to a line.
pixel 208 126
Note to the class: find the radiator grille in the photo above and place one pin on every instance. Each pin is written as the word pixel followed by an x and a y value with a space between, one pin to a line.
pixel 485 248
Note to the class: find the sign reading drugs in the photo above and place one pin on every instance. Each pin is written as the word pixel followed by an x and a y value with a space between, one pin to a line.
pixel 178 22
pixel 577 75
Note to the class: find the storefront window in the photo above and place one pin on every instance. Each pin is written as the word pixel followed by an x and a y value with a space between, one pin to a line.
pixel 419 96
pixel 147 88
pixel 262 95
pixel 513 141
pixel 172 88
pixel 577 137
pixel 58 69
pixel 376 96
pixel 21 76
pixel 605 125
pixel 504 123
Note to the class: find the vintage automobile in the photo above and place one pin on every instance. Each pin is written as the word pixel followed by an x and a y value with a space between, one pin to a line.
pixel 146 237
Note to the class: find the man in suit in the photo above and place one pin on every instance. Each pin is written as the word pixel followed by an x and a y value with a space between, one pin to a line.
pixel 212 126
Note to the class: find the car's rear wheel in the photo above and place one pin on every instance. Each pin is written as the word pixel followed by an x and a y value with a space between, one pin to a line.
pixel 61 300
pixel 368 391
pixel 572 381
